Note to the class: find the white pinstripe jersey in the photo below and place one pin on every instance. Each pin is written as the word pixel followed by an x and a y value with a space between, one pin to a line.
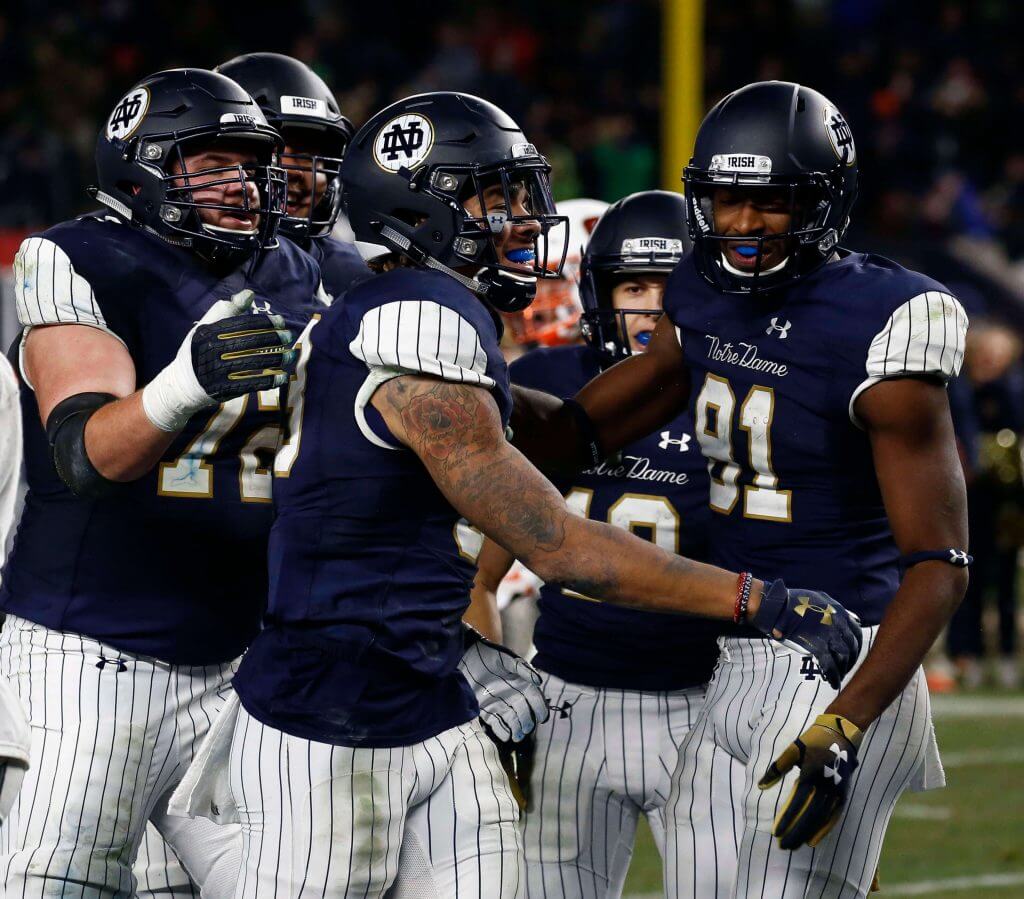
pixel 774 381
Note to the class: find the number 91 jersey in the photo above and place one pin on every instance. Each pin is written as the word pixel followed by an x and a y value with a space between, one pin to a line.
pixel 172 565
pixel 774 380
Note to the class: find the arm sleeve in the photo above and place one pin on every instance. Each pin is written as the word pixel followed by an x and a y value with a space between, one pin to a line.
pixel 421 337
pixel 924 336
pixel 48 290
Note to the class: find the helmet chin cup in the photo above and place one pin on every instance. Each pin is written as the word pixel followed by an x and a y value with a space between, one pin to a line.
pixel 505 291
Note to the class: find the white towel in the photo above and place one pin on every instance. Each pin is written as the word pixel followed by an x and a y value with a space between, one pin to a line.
pixel 205 790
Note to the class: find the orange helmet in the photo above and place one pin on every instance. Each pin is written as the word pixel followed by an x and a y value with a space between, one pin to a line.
pixel 552 319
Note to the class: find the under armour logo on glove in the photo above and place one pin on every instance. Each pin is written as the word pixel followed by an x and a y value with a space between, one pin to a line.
pixel 667 440
pixel 840 758
pixel 781 330
pixel 827 756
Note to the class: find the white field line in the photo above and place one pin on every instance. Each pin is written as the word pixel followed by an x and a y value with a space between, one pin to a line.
pixel 954 884
pixel 916 812
pixel 967 706
pixel 982 757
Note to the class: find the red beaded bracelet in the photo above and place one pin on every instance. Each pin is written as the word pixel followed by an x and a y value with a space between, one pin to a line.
pixel 743 585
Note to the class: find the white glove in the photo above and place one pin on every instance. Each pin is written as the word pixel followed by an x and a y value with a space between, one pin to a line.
pixel 15 741
pixel 507 688
pixel 177 393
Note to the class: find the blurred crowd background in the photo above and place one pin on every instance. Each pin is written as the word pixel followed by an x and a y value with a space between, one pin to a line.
pixel 934 92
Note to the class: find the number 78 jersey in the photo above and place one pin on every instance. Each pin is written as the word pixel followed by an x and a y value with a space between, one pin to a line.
pixel 774 380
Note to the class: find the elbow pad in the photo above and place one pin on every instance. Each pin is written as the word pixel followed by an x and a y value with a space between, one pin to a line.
pixel 65 431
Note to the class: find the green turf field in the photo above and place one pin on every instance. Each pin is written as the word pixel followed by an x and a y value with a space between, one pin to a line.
pixel 962 842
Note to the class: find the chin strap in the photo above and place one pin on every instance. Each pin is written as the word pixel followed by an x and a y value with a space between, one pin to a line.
pixel 406 246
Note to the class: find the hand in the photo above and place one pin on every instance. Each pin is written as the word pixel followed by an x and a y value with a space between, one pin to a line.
pixel 228 353
pixel 810 621
pixel 507 688
pixel 827 755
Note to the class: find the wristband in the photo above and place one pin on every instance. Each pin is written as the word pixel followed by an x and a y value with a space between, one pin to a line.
pixel 959 558
pixel 743 585
pixel 590 443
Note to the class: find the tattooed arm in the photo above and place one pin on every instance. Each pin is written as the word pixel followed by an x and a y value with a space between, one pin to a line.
pixel 456 431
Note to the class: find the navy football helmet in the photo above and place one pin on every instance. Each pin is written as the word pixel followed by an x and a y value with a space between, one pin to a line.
pixel 143 176
pixel 409 171
pixel 642 234
pixel 772 135
pixel 297 103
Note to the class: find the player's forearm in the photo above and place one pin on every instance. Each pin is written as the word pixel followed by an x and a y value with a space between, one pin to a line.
pixel 922 607
pixel 121 442
pixel 608 563
pixel 482 613
pixel 546 433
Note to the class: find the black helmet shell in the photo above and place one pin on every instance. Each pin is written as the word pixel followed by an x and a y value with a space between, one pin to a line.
pixel 147 131
pixel 294 98
pixel 642 234
pixel 773 134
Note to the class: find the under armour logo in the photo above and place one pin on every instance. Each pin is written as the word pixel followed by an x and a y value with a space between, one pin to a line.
pixel 405 140
pixel 257 308
pixel 832 771
pixel 959 557
pixel 668 440
pixel 214 808
pixel 564 709
pixel 126 110
pixel 119 663
pixel 804 605
pixel 775 328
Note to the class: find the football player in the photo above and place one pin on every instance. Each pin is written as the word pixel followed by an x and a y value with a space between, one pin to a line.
pixel 303 109
pixel 625 685
pixel 817 379
pixel 136 579
pixel 358 743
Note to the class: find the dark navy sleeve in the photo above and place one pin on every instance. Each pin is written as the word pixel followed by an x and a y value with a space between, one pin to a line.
pixel 560 371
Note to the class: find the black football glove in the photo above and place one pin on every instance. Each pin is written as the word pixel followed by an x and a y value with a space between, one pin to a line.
pixel 827 755
pixel 230 352
pixel 811 621
pixel 242 354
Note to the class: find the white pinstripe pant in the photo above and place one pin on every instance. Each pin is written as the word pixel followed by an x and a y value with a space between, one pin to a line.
pixel 435 820
pixel 112 734
pixel 602 759
pixel 761 698
pixel 159 872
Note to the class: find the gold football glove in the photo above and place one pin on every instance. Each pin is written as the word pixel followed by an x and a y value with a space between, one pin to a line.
pixel 827 755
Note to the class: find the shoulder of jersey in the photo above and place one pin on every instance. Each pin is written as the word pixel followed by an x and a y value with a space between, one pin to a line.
pixel 559 370
pixel 414 289
pixel 101 245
